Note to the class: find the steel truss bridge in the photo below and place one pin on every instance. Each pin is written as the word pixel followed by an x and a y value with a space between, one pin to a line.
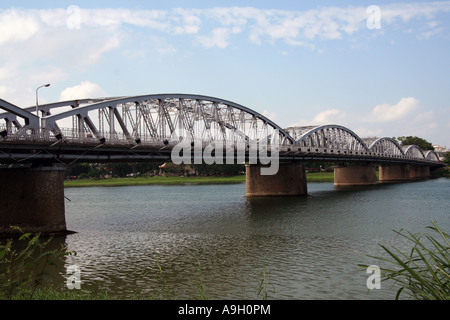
pixel 147 127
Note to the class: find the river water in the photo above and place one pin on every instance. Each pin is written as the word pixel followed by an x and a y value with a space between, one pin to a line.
pixel 210 241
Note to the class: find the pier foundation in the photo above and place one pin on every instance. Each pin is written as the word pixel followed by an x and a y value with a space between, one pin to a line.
pixel 355 175
pixel 419 172
pixel 393 173
pixel 32 199
pixel 290 180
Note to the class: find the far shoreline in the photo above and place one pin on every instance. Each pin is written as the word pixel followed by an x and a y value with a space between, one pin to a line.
pixel 177 180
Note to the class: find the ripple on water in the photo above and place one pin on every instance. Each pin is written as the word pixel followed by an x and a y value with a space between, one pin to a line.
pixel 212 236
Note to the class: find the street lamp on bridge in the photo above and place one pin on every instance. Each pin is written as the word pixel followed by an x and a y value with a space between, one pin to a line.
pixel 37 104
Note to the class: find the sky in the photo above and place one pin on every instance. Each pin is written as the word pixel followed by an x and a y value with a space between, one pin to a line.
pixel 381 69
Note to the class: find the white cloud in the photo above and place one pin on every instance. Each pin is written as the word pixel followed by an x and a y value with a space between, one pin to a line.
pixel 3 90
pixel 386 112
pixel 327 116
pixel 402 118
pixel 186 21
pixel 364 132
pixel 85 89
pixel 41 43
pixel 101 48
pixel 328 23
pixel 16 25
pixel 219 38
pixel 269 115
pixel 433 27
pixel 292 27
pixel 409 11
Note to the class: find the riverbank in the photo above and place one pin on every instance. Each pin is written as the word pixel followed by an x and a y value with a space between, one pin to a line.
pixel 175 180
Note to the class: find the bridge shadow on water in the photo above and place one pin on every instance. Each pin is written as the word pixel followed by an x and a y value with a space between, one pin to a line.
pixel 317 192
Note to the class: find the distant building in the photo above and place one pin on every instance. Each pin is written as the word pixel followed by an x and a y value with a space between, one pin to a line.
pixel 440 151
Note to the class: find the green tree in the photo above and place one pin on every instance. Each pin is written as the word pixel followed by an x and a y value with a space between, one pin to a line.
pixel 447 157
pixel 421 143
pixel 77 169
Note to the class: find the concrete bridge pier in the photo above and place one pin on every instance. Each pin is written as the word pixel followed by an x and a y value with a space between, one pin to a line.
pixel 419 172
pixel 290 180
pixel 393 173
pixel 398 173
pixel 355 175
pixel 32 199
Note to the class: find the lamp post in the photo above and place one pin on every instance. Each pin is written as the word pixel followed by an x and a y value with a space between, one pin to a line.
pixel 37 104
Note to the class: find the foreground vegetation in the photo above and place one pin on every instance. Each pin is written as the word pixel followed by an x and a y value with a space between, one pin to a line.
pixel 441 173
pixel 422 270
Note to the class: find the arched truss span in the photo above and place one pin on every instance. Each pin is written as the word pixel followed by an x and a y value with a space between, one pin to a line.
pixel 413 152
pixel 386 146
pixel 45 108
pixel 12 123
pixel 13 112
pixel 431 155
pixel 167 117
pixel 332 137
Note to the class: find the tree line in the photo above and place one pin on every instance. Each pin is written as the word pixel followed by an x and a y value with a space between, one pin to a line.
pixel 96 170
pixel 100 170
pixel 413 140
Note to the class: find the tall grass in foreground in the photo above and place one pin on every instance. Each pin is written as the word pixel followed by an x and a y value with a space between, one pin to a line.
pixel 22 271
pixel 423 272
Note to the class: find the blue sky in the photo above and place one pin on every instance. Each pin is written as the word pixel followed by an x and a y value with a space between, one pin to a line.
pixel 299 63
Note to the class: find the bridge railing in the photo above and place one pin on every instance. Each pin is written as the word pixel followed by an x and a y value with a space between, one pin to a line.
pixel 337 151
pixel 88 138
pixel 20 134
pixel 336 154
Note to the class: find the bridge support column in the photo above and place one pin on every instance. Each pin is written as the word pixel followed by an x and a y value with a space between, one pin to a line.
pixel 355 176
pixel 419 172
pixel 394 173
pixel 32 199
pixel 290 180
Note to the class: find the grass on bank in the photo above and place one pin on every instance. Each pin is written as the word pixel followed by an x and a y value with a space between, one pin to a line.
pixel 176 180
pixel 422 269
pixel 157 180
pixel 179 180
